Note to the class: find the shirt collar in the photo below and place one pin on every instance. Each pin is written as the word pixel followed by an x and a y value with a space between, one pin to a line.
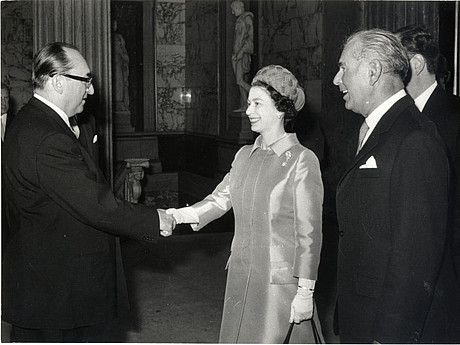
pixel 373 119
pixel 279 146
pixel 53 106
pixel 421 100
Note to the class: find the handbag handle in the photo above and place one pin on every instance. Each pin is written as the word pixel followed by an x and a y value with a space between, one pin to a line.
pixel 316 336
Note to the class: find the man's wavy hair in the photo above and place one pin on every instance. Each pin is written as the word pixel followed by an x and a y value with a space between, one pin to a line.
pixel 50 60
pixel 418 40
pixel 383 46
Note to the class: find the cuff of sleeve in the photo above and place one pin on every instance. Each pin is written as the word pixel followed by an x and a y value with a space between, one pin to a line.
pixel 307 283
pixel 189 214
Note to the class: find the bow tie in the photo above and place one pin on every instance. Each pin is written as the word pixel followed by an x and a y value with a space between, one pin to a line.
pixel 74 126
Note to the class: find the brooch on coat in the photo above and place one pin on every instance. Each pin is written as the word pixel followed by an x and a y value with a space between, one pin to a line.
pixel 287 156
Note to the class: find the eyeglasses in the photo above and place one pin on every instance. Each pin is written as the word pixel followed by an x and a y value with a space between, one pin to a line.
pixel 86 80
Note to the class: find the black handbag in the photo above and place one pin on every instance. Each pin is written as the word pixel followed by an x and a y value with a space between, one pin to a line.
pixel 316 336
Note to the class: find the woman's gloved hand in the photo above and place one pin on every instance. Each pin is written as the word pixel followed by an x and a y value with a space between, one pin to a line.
pixel 302 304
pixel 184 215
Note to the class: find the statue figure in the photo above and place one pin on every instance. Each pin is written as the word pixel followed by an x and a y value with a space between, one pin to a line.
pixel 243 48
pixel 120 71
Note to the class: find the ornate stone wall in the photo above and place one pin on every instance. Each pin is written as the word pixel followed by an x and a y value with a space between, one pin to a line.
pixel 202 63
pixel 17 51
pixel 291 35
pixel 170 66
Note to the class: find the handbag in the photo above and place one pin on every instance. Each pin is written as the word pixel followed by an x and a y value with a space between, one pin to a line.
pixel 316 336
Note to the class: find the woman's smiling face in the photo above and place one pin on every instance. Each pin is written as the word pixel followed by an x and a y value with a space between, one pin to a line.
pixel 261 111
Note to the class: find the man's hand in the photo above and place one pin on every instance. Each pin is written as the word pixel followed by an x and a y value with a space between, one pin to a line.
pixel 167 223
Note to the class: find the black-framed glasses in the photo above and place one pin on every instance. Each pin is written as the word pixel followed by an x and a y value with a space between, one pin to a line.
pixel 86 80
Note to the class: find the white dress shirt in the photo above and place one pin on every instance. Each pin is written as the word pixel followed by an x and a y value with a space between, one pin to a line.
pixel 421 100
pixel 3 120
pixel 373 119
pixel 60 112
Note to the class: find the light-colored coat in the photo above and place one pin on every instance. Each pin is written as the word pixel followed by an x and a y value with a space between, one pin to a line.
pixel 276 196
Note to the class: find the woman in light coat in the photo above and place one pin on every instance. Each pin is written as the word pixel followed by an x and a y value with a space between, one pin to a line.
pixel 276 192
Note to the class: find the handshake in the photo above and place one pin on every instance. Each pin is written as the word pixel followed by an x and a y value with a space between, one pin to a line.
pixel 171 217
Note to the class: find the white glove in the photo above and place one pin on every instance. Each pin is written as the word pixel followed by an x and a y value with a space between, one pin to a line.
pixel 184 215
pixel 302 304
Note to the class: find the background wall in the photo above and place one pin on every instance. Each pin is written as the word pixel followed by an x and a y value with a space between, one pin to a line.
pixel 192 42
pixel 17 51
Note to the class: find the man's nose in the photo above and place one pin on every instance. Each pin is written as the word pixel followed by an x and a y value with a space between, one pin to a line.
pixel 338 78
pixel 90 90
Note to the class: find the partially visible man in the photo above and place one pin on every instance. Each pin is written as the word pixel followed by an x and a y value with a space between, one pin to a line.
pixel 394 282
pixel 439 106
pixel 442 72
pixel 59 270
pixel 6 117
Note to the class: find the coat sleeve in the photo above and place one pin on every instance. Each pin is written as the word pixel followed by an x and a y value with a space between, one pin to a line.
pixel 219 202
pixel 418 211
pixel 215 205
pixel 308 206
pixel 65 176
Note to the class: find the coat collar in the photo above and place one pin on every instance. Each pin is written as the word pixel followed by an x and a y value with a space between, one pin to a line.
pixel 278 147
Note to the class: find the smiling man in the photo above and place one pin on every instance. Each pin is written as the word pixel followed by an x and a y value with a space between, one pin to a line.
pixel 59 275
pixel 396 282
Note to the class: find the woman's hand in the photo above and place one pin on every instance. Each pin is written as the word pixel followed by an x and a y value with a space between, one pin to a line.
pixel 302 305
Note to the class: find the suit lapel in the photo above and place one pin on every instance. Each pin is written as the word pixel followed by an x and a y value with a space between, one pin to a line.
pixel 52 114
pixel 384 125
pixel 435 106
pixel 83 143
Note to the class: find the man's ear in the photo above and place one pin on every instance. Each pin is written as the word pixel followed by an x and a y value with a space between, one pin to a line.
pixel 417 64
pixel 56 83
pixel 375 71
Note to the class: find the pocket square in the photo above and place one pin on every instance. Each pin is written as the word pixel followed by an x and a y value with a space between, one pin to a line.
pixel 95 139
pixel 370 163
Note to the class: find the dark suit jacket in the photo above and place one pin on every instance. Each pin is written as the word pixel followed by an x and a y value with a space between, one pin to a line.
pixel 395 279
pixel 4 230
pixel 444 110
pixel 9 118
pixel 59 262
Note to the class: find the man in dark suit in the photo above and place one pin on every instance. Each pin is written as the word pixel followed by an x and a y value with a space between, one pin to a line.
pixel 6 115
pixel 394 282
pixel 439 106
pixel 59 274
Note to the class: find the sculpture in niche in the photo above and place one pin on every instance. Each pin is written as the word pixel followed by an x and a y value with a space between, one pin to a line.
pixel 243 48
pixel 120 82
pixel 121 71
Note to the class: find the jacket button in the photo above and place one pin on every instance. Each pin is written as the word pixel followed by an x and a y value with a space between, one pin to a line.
pixel 341 233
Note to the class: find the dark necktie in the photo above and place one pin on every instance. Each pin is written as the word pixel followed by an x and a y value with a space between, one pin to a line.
pixel 74 125
pixel 362 133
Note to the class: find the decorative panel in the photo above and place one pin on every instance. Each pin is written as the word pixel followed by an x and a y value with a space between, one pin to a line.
pixel 17 41
pixel 170 65
pixel 202 112
pixel 292 36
